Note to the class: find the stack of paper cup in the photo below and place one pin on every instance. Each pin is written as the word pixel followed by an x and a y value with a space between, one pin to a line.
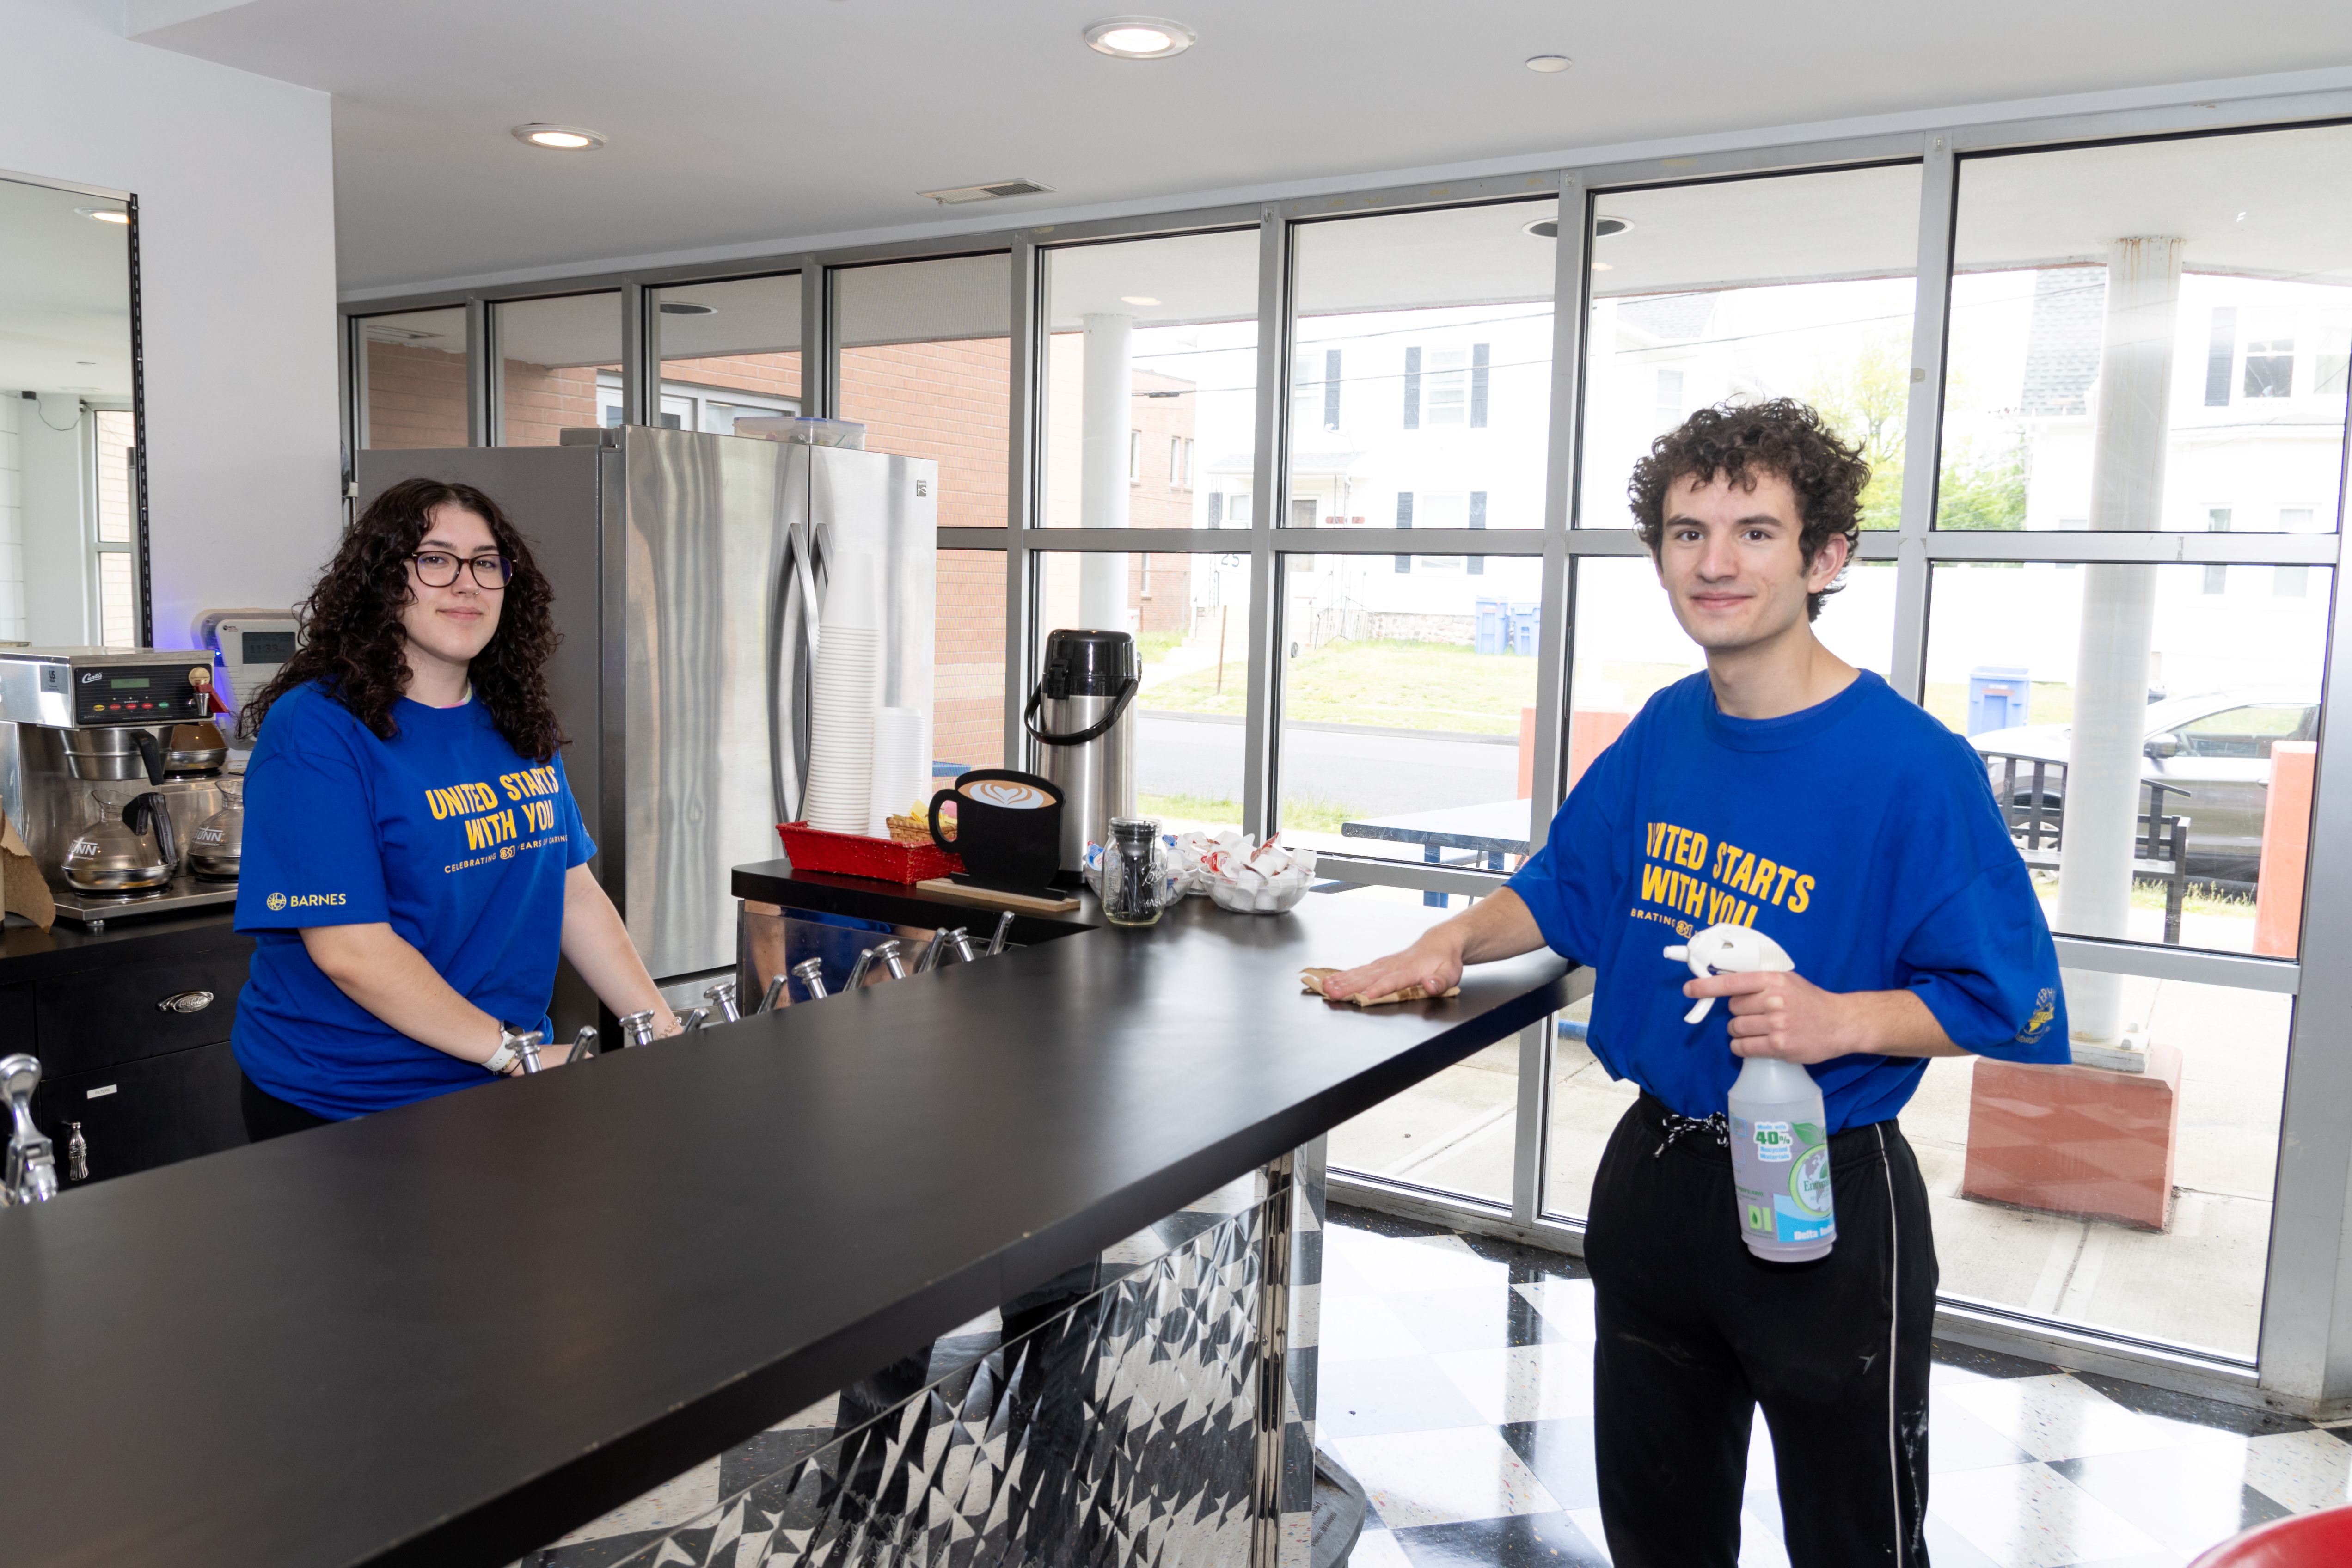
pixel 898 742
pixel 846 684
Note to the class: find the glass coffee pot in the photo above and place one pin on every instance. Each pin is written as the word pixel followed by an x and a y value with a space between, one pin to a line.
pixel 218 844
pixel 127 847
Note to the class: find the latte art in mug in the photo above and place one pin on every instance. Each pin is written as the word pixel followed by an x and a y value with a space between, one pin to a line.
pixel 1009 793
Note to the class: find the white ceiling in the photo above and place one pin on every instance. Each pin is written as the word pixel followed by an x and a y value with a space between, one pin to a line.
pixel 733 123
pixel 65 295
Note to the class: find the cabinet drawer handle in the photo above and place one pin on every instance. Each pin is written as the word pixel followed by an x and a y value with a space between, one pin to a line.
pixel 185 1002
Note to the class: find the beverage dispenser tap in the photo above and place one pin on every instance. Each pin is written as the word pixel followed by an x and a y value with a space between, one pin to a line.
pixel 887 949
pixel 526 1046
pixel 930 959
pixel 962 939
pixel 693 1019
pixel 638 1029
pixel 811 973
pixel 1003 929
pixel 774 997
pixel 721 996
pixel 583 1043
pixel 30 1175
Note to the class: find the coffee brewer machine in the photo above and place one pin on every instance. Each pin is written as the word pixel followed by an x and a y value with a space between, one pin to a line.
pixel 110 765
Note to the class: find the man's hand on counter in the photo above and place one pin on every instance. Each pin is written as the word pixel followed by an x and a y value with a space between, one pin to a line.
pixel 1498 926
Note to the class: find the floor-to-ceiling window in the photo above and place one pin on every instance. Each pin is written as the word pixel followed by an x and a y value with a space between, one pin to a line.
pixel 1358 488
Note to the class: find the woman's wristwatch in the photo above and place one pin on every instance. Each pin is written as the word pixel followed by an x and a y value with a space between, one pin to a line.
pixel 506 1059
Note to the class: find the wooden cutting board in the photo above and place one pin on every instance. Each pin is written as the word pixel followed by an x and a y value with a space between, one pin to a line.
pixel 990 898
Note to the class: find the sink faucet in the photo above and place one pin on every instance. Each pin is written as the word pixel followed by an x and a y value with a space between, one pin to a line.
pixel 30 1175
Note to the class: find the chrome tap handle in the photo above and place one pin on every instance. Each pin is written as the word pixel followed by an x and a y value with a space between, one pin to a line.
pixel 77 1156
pixel 810 972
pixel 30 1175
pixel 775 996
pixel 526 1046
pixel 1003 929
pixel 693 1019
pixel 583 1043
pixel 721 996
pixel 930 959
pixel 888 950
pixel 857 970
pixel 638 1029
pixel 964 951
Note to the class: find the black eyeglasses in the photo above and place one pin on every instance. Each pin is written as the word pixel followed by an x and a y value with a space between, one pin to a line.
pixel 439 569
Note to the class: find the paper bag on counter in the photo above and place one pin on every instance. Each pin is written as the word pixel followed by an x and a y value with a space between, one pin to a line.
pixel 21 887
pixel 1311 982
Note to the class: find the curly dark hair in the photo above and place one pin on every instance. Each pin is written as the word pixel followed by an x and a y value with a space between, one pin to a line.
pixel 352 637
pixel 1736 442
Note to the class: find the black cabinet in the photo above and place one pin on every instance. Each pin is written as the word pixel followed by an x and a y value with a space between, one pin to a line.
pixel 131 1028
pixel 146 1113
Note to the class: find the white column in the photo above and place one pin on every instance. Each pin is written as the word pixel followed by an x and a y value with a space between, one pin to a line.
pixel 1106 409
pixel 2111 669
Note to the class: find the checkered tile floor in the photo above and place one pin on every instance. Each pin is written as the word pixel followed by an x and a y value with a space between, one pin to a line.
pixel 1456 1383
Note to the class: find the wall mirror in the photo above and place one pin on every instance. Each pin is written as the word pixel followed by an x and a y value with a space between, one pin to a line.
pixel 73 492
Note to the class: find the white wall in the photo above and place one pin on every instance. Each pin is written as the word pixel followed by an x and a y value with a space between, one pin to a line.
pixel 56 551
pixel 234 176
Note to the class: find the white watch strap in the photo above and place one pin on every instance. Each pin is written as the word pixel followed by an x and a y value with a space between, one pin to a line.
pixel 501 1058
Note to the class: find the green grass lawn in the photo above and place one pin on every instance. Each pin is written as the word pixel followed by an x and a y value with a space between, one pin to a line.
pixel 1400 685
pixel 1303 816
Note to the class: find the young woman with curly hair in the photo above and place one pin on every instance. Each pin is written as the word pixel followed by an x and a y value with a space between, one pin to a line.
pixel 1783 790
pixel 414 859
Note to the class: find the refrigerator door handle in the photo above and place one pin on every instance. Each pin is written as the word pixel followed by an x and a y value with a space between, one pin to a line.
pixel 792 660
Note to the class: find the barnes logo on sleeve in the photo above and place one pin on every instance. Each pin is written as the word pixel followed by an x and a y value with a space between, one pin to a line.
pixel 303 900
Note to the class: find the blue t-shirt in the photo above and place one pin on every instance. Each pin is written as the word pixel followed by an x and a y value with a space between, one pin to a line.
pixel 1861 835
pixel 444 833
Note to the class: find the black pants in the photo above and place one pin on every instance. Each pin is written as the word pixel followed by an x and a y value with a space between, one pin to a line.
pixel 267 1116
pixel 1693 1332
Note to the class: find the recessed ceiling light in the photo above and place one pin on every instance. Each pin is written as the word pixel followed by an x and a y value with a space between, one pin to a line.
pixel 687 308
pixel 1550 63
pixel 1139 37
pixel 1605 225
pixel 1136 299
pixel 562 138
pixel 1542 228
pixel 105 215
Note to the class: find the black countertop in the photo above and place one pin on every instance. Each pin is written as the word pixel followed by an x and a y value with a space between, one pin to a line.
pixel 451 1333
pixel 28 953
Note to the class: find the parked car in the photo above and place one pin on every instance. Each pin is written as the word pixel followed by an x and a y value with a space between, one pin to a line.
pixel 2216 746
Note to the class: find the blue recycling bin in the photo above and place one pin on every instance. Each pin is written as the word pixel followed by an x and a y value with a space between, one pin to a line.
pixel 1525 622
pixel 1493 626
pixel 1998 695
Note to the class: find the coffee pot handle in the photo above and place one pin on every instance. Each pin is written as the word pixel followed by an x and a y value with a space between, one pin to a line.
pixel 938 800
pixel 150 808
pixel 1126 689
pixel 150 752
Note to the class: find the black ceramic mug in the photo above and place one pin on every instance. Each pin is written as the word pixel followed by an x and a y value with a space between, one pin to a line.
pixel 1008 827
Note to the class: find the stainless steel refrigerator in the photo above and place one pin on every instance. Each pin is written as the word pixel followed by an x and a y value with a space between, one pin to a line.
pixel 689 570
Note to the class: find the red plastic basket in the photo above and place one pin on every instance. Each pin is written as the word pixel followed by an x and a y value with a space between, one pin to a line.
pixel 854 855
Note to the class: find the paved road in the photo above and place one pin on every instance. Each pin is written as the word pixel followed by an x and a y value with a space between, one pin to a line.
pixel 1372 771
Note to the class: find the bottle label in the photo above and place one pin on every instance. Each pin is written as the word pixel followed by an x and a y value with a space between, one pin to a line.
pixel 1783 1181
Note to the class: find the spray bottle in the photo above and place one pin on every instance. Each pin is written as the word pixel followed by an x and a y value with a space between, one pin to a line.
pixel 1780 1132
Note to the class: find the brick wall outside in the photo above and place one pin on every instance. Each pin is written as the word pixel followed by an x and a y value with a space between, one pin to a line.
pixel 544 401
pixel 943 401
pixel 416 397
pixel 777 374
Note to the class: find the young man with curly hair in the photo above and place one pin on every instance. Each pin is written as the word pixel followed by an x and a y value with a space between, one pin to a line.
pixel 1785 790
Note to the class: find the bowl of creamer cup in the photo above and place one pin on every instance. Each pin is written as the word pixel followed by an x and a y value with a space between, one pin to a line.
pixel 1265 880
